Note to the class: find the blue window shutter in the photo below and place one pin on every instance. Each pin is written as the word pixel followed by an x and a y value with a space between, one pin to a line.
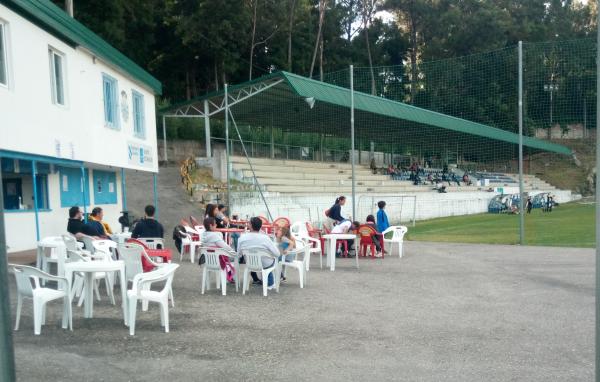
pixel 70 187
pixel 105 187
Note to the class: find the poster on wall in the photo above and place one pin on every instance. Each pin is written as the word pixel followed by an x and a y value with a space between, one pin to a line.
pixel 139 155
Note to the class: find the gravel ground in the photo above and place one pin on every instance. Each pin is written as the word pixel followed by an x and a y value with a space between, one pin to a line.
pixel 445 312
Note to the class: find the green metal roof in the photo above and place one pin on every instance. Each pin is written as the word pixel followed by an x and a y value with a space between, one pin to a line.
pixel 55 21
pixel 295 88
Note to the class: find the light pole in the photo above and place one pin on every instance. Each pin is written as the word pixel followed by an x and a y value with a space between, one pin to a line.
pixel 551 88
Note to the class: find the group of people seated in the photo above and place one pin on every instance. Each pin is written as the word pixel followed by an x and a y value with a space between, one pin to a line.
pixel 336 223
pixel 97 229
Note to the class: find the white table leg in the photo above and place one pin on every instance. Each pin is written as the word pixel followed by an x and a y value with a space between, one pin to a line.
pixel 89 295
pixel 332 245
pixel 123 286
pixel 327 252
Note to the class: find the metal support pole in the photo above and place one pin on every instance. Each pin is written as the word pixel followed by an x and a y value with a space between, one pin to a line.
pixel 227 148
pixel 207 129
pixel 164 126
pixel 352 141
pixel 7 354
pixel 598 200
pixel 155 194
pixel 83 190
pixel 35 200
pixel 521 188
pixel 123 190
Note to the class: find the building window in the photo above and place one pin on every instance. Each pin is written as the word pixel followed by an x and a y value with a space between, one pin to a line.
pixel 3 55
pixel 111 105
pixel 139 116
pixel 57 76
pixel 17 185
pixel 105 187
pixel 73 187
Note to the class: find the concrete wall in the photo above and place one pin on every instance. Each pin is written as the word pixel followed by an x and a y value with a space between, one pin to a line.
pixel 180 150
pixel 399 208
pixel 20 225
pixel 31 123
pixel 574 131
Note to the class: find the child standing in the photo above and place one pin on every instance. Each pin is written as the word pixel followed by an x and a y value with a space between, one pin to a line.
pixel 382 219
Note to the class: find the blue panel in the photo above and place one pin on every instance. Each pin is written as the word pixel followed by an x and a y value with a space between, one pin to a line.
pixel 8 165
pixel 24 167
pixel 70 187
pixel 105 187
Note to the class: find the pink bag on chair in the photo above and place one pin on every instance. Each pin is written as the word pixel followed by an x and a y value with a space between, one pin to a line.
pixel 227 267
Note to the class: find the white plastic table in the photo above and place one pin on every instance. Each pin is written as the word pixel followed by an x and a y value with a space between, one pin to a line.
pixel 88 268
pixel 332 238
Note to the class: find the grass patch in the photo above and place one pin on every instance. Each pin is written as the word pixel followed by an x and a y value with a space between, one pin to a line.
pixel 569 225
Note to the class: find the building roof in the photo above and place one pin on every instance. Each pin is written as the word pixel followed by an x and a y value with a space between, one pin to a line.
pixel 376 117
pixel 55 21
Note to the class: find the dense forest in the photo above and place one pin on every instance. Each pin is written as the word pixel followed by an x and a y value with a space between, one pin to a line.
pixel 194 46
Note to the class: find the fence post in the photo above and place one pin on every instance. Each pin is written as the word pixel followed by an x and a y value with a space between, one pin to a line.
pixel 521 189
pixel 7 355
pixel 227 148
pixel 598 200
pixel 207 129
pixel 352 141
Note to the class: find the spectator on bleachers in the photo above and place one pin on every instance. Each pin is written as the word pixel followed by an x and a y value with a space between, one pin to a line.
pixel 466 180
pixel 439 187
pixel 373 166
pixel 455 179
pixel 430 178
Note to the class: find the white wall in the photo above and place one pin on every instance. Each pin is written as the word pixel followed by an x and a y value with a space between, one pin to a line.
pixel 20 226
pixel 399 208
pixel 31 123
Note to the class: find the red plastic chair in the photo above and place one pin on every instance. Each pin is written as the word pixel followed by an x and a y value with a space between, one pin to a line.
pixel 281 222
pixel 366 233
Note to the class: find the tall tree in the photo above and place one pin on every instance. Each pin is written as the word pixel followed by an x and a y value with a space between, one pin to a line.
pixel 319 39
pixel 290 30
pixel 367 10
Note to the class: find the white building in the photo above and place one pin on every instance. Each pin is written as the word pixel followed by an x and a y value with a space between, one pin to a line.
pixel 70 104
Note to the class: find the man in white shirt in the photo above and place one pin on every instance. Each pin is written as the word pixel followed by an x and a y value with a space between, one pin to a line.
pixel 255 238
pixel 345 227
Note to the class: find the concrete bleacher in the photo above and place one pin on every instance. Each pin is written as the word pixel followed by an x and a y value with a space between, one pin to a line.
pixel 302 177
pixel 308 177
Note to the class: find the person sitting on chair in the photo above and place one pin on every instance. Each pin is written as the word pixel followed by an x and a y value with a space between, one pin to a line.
pixel 96 224
pixel 345 227
pixel 148 226
pixel 375 238
pixel 77 227
pixel 255 238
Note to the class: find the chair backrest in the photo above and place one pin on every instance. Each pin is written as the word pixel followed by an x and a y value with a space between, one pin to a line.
pixel 211 257
pixel 281 222
pixel 194 222
pixel 107 247
pixel 131 254
pixel 264 220
pixel 74 256
pixel 88 242
pixel 366 232
pixel 399 232
pixel 28 278
pixel 165 272
pixel 253 257
pixel 299 230
pixel 152 242
pixel 70 242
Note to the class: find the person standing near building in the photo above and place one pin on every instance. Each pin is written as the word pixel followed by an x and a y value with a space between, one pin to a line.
pixel 148 226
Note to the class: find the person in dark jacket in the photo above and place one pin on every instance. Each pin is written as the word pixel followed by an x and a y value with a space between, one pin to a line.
pixel 148 227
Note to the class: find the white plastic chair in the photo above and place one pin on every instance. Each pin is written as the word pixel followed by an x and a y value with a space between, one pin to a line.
pixel 300 265
pixel 132 254
pixel 140 290
pixel 79 280
pixel 254 264
pixel 51 250
pixel 212 265
pixel 397 237
pixel 191 245
pixel 28 286
pixel 300 232
pixel 108 247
